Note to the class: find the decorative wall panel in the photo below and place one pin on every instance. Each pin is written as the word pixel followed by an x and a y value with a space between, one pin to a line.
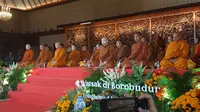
pixel 198 24
pixel 79 36
pixel 167 25
pixel 98 32
pixel 162 24
pixel 127 29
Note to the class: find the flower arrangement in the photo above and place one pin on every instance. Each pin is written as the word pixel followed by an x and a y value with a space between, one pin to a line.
pixel 175 89
pixel 11 76
pixel 189 102
pixel 153 81
pixel 67 102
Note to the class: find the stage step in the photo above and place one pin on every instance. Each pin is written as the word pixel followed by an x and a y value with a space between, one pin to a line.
pixel 79 73
pixel 43 88
pixel 17 106
pixel 51 81
pixel 31 98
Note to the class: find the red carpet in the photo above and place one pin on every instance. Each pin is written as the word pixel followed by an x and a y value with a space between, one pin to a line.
pixel 42 89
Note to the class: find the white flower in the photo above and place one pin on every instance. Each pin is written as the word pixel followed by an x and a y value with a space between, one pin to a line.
pixel 1 90
pixel 111 75
pixel 5 81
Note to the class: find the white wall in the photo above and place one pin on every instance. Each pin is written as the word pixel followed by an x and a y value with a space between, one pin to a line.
pixel 84 10
pixel 51 39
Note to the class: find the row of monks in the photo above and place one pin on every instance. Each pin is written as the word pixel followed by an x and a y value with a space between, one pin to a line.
pixel 175 55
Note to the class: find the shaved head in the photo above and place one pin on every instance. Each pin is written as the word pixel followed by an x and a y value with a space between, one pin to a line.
pixel 118 44
pixel 97 46
pixel 177 36
pixel 104 41
pixel 73 47
pixel 84 48
pixel 28 46
pixel 42 47
pixel 58 45
pixel 137 36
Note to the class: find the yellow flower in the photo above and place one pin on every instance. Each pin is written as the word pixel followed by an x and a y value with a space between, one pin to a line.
pixel 87 100
pixel 154 82
pixel 173 107
pixel 187 93
pixel 184 107
pixel 57 110
pixel 155 78
pixel 150 85
pixel 86 109
pixel 107 93
pixel 193 94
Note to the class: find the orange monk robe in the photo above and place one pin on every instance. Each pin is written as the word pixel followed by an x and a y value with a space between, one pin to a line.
pixel 95 58
pixel 27 59
pixel 120 53
pixel 106 54
pixel 59 59
pixel 178 50
pixel 74 58
pixel 196 56
pixel 85 55
pixel 139 53
pixel 41 59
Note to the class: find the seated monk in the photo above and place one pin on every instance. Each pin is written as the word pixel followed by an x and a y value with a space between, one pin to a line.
pixel 156 51
pixel 28 57
pixel 40 62
pixel 176 55
pixel 120 51
pixel 85 54
pixel 139 52
pixel 196 55
pixel 59 59
pixel 74 57
pixel 48 54
pixel 106 54
pixel 95 56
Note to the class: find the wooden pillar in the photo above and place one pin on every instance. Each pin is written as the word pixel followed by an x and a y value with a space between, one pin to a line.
pixel 150 29
pixel 194 23
pixel 89 39
pixel 116 31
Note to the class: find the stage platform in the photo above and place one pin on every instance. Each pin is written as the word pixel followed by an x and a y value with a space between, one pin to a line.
pixel 43 88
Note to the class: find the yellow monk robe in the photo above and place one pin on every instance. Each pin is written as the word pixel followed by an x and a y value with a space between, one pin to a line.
pixel 179 50
pixel 139 53
pixel 107 55
pixel 41 59
pixel 85 55
pixel 95 58
pixel 27 59
pixel 48 55
pixel 74 58
pixel 59 59
pixel 196 56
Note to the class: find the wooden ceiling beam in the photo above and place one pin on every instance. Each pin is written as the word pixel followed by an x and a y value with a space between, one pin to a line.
pixel 30 3
pixel 34 3
pixel 14 3
pixel 40 2
pixel 45 1
pixel 24 4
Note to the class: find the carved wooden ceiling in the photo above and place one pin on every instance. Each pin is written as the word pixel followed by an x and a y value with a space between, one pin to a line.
pixel 28 5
